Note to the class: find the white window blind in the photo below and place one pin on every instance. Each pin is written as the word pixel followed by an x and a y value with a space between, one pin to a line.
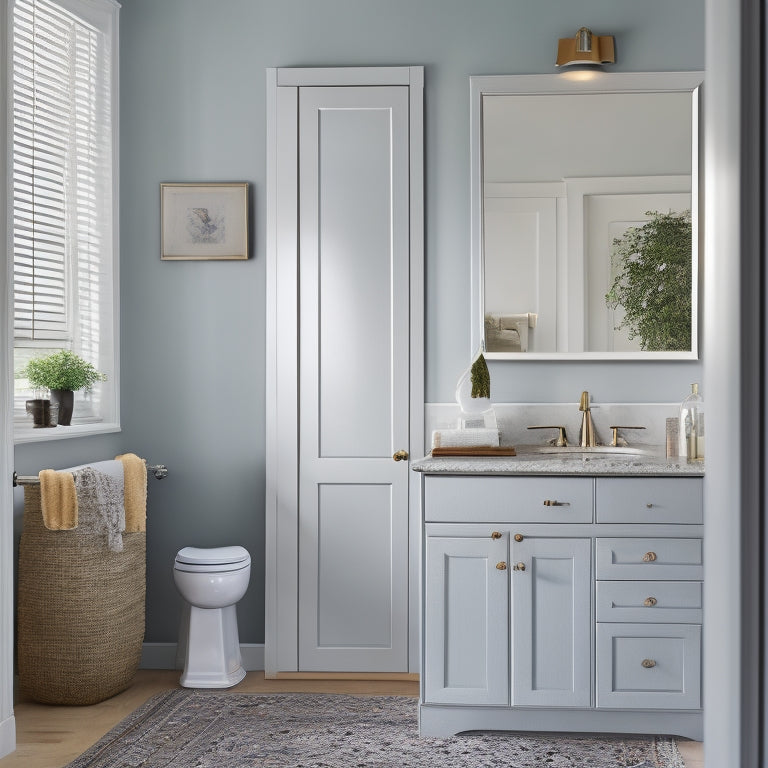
pixel 63 177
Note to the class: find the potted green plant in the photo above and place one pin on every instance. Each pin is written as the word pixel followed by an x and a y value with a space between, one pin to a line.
pixel 63 373
pixel 653 280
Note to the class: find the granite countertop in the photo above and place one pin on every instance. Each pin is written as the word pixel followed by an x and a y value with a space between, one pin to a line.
pixel 651 463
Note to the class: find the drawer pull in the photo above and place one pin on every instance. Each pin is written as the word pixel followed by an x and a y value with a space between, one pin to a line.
pixel 649 557
pixel 518 537
pixel 649 602
pixel 501 566
pixel 556 503
pixel 518 567
pixel 649 505
pixel 648 663
pixel 495 535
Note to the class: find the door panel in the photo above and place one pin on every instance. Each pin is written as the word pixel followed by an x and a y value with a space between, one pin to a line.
pixel 354 378
pixel 551 620
pixel 466 628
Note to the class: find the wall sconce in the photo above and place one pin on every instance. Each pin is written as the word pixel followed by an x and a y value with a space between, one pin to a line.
pixel 585 49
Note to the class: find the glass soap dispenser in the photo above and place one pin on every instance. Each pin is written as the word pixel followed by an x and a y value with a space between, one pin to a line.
pixel 692 426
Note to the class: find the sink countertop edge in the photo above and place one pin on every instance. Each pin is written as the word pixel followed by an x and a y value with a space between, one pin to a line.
pixel 550 464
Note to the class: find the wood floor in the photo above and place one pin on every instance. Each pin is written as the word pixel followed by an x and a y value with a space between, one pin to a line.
pixel 51 737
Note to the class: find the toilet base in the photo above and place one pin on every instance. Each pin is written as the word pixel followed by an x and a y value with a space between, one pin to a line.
pixel 211 648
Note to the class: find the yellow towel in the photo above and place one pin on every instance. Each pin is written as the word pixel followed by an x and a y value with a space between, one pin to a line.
pixel 58 500
pixel 135 484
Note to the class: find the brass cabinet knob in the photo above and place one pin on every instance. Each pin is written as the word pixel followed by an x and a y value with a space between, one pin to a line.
pixel 649 505
pixel 648 663
pixel 518 537
pixel 400 455
pixel 495 535
pixel 649 602
pixel 649 557
pixel 556 503
pixel 518 567
pixel 501 566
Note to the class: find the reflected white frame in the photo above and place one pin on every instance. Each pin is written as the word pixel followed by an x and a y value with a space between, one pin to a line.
pixel 636 82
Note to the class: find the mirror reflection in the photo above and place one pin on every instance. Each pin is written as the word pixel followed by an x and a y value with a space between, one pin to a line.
pixel 586 216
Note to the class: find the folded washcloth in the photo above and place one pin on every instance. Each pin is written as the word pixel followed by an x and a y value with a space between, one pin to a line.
pixel 101 506
pixel 135 488
pixel 465 438
pixel 58 500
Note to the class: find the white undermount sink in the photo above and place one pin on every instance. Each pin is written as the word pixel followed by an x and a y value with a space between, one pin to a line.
pixel 604 450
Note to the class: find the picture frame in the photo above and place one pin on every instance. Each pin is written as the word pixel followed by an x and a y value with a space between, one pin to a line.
pixel 204 221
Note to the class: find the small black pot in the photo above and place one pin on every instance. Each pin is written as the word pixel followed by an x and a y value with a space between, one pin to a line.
pixel 66 400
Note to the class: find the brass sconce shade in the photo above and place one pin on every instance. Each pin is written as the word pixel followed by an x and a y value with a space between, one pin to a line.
pixel 585 48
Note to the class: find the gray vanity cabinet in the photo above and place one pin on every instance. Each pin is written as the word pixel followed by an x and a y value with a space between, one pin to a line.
pixel 561 603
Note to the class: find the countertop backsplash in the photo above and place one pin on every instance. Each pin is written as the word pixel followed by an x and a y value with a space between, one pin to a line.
pixel 513 420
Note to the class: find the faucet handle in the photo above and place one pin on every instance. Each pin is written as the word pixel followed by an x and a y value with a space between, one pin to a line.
pixel 584 402
pixel 615 440
pixel 562 439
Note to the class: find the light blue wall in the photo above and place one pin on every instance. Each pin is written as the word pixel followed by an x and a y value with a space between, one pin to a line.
pixel 193 109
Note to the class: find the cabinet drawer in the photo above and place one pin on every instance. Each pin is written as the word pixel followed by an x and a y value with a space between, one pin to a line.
pixel 648 666
pixel 508 499
pixel 649 559
pixel 649 601
pixel 650 500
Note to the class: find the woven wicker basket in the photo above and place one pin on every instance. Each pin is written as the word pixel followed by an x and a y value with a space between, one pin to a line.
pixel 80 611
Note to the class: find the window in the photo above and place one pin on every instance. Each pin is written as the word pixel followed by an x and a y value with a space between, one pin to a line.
pixel 64 193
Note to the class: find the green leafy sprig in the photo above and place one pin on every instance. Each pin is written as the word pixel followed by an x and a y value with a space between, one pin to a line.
pixel 481 378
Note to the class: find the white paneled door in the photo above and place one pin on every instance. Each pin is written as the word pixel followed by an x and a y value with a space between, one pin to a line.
pixel 344 565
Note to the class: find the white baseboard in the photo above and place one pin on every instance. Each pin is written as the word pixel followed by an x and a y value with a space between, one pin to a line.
pixel 163 656
pixel 7 736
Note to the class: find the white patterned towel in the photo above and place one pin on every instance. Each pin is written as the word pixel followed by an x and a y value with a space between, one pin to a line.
pixel 101 506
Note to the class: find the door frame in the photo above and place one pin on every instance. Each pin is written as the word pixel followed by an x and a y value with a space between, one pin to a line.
pixel 282 460
pixel 7 722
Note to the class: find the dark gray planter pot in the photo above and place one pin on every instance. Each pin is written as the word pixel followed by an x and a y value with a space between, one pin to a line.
pixel 66 400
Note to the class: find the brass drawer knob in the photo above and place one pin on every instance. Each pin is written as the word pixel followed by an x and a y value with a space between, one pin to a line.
pixel 501 566
pixel 518 537
pixel 400 455
pixel 649 602
pixel 649 557
pixel 648 663
pixel 556 503
pixel 649 505
pixel 518 567
pixel 495 535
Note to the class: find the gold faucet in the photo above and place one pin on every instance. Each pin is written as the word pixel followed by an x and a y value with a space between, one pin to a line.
pixel 587 431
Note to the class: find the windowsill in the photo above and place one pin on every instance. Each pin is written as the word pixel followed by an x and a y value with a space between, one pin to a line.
pixel 23 433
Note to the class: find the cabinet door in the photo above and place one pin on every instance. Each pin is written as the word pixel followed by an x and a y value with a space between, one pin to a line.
pixel 551 620
pixel 466 635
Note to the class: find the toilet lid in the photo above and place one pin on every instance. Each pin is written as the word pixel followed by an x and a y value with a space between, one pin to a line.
pixel 212 555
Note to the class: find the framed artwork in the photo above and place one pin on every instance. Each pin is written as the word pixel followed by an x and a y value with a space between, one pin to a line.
pixel 204 221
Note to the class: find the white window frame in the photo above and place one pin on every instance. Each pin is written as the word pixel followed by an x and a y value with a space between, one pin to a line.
pixel 104 15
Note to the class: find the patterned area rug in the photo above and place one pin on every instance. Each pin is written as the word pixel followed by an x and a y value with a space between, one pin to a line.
pixel 207 729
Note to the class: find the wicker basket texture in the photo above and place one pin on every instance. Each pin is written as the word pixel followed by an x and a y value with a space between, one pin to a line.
pixel 80 611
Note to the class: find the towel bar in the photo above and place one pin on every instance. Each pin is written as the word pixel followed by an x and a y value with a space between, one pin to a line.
pixel 158 470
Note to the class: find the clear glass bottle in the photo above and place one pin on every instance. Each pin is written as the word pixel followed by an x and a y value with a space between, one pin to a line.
pixel 692 426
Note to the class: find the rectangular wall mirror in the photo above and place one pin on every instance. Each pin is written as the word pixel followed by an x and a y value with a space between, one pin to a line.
pixel 585 216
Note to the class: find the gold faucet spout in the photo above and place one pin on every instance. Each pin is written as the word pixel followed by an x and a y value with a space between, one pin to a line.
pixel 587 431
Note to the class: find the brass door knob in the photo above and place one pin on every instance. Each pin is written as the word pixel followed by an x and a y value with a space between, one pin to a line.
pixel 518 537
pixel 648 663
pixel 495 535
pixel 649 557
pixel 400 455
pixel 501 566
pixel 518 567
pixel 649 602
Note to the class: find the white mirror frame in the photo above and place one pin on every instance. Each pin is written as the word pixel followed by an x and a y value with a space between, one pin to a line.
pixel 636 82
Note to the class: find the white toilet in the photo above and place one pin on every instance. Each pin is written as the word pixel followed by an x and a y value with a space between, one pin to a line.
pixel 211 581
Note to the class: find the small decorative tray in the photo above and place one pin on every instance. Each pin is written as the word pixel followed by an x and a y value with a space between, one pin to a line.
pixel 503 450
